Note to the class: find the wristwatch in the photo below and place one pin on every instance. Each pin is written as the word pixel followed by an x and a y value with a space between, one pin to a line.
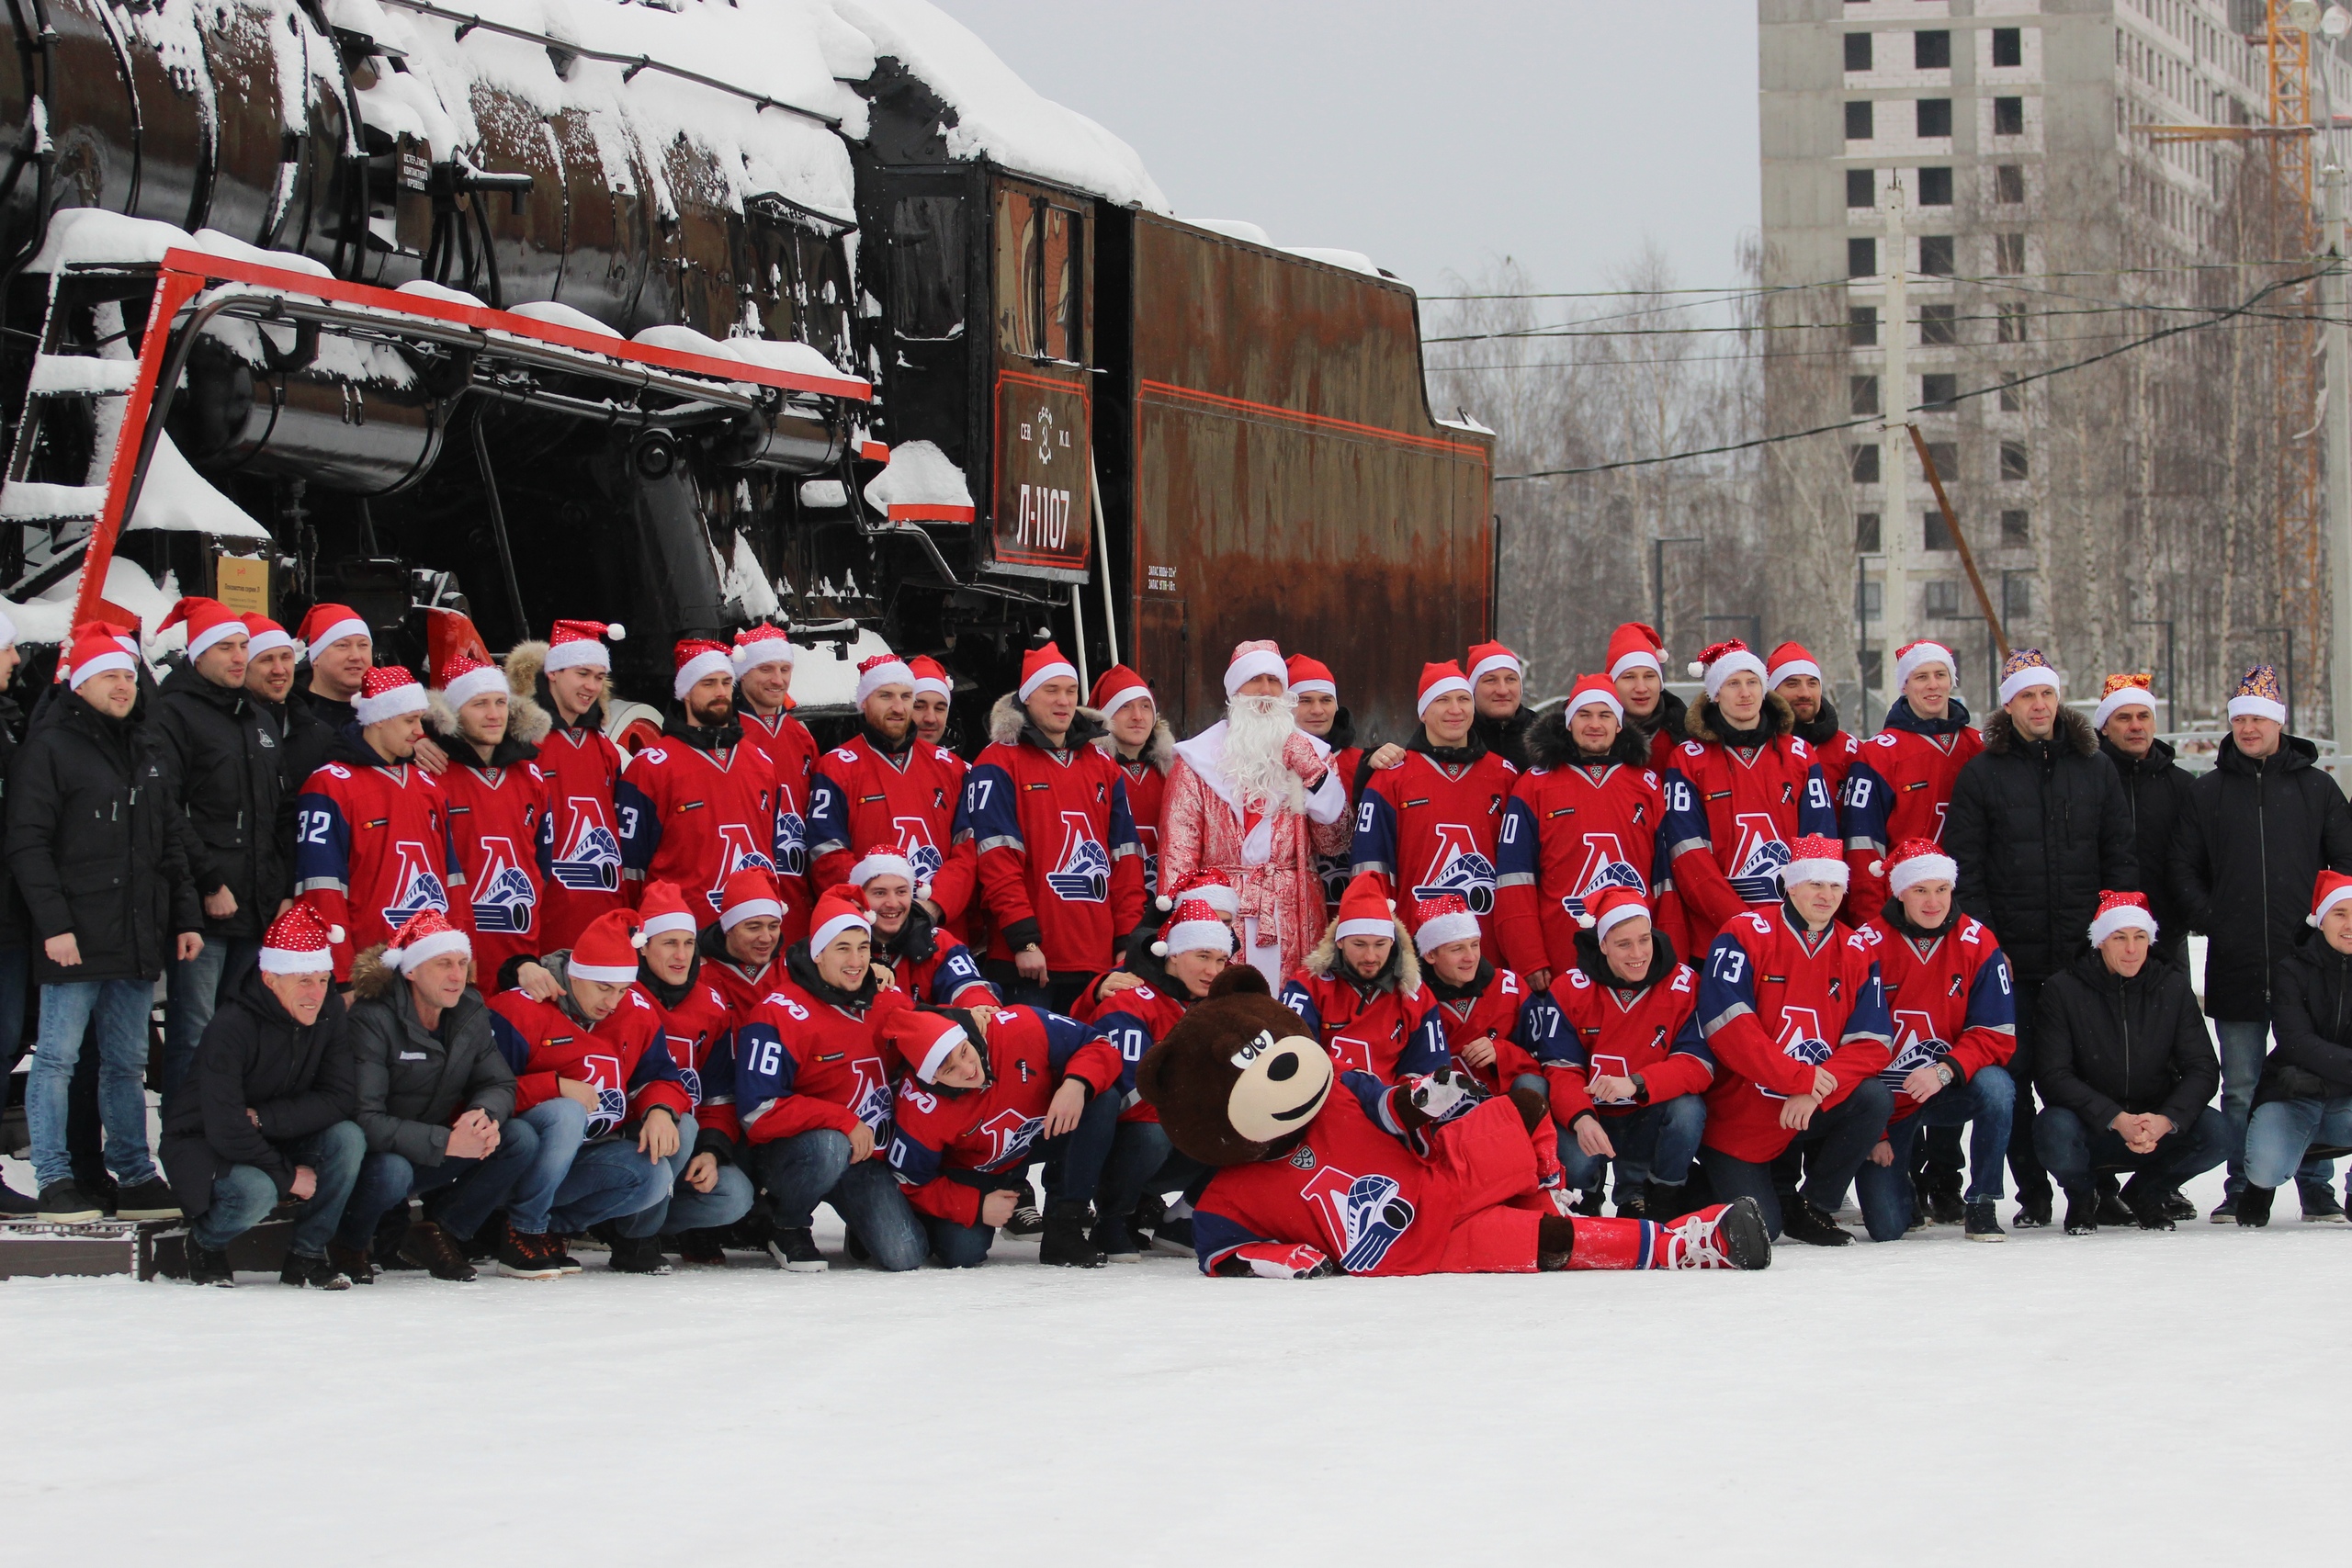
pixel 1944 1074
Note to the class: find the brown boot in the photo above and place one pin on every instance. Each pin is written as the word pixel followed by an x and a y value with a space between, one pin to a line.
pixel 437 1252
pixel 352 1261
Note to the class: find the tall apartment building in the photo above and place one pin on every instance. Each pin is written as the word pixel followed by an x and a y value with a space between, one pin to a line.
pixel 2103 504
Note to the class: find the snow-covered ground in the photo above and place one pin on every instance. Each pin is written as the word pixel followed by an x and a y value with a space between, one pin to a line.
pixel 2165 1398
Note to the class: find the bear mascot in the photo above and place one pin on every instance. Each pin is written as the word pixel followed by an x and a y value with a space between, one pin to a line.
pixel 1317 1171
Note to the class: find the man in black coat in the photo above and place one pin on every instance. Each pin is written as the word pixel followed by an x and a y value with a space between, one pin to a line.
pixel 2259 829
pixel 2155 791
pixel 264 1113
pixel 340 649
pixel 2127 1069
pixel 227 761
pixel 16 932
pixel 2038 825
pixel 2303 1104
pixel 101 858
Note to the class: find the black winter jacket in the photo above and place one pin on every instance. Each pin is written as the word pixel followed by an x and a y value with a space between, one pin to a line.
pixel 2252 841
pixel 96 846
pixel 2103 1044
pixel 415 1081
pixel 1505 737
pixel 313 725
pixel 16 928
pixel 228 762
pixel 2155 789
pixel 254 1056
pixel 2039 827
pixel 2310 1018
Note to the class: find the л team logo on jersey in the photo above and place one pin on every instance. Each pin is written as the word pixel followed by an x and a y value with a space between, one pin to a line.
pixel 1082 875
pixel 1605 867
pixel 589 860
pixel 1366 1212
pixel 682 1055
pixel 870 1101
pixel 1009 1133
pixel 1457 866
pixel 1756 873
pixel 612 1104
pixel 791 843
pixel 505 899
pixel 1918 1047
pixel 737 849
pixel 420 888
pixel 1800 1039
pixel 914 843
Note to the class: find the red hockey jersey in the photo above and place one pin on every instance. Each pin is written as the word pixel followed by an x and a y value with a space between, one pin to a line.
pixel 938 1133
pixel 946 975
pixel 1899 788
pixel 1146 793
pixel 1732 814
pixel 372 847
pixel 1502 1008
pixel 1567 833
pixel 860 797
pixel 697 1027
pixel 1952 1002
pixel 625 1057
pixel 1388 1033
pixel 1134 1020
pixel 695 817
pixel 793 750
pixel 1430 828
pixel 802 1063
pixel 499 825
pixel 1651 1034
pixel 1774 1006
pixel 581 874
pixel 1060 863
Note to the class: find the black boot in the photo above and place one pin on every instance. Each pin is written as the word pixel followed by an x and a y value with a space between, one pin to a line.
pixel 1065 1243
pixel 2145 1198
pixel 1944 1205
pixel 795 1250
pixel 353 1262
pixel 1800 1220
pixel 1115 1241
pixel 2033 1210
pixel 1662 1202
pixel 315 1272
pixel 206 1267
pixel 2254 1205
pixel 2111 1211
pixel 636 1255
pixel 2082 1211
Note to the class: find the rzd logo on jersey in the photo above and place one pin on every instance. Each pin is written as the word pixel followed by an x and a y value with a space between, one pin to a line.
pixel 419 887
pixel 503 896
pixel 1605 867
pixel 1756 866
pixel 1458 866
pixel 1367 1213
pixel 914 843
pixel 604 1074
pixel 1915 1047
pixel 737 849
pixel 1800 1040
pixel 1009 1133
pixel 1082 875
pixel 589 859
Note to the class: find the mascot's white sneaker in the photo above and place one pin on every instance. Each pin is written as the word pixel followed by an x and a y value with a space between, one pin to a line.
pixel 1728 1236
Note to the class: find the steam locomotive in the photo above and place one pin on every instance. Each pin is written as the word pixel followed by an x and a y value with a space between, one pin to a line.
pixel 684 315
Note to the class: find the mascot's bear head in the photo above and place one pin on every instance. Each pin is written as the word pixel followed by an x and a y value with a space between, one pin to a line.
pixel 1238 1079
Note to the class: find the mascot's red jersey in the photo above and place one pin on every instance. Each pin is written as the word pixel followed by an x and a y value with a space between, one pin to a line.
pixel 1605 1030
pixel 1569 832
pixel 1774 1005
pixel 1732 813
pixel 371 848
pixel 500 824
pixel 1430 828
pixel 862 796
pixel 582 871
pixel 625 1056
pixel 1951 1002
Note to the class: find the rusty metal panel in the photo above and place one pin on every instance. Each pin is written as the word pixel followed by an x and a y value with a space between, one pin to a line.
pixel 1289 481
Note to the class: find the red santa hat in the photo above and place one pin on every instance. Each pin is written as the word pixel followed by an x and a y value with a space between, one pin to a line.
pixel 1118 686
pixel 2023 669
pixel 1443 918
pixel 1437 681
pixel 1365 910
pixel 1304 675
pixel 1815 857
pixel 1193 926
pixel 763 644
pixel 931 676
pixel 423 937
pixel 387 691
pixel 923 1040
pixel 1595 691
pixel 662 907
pixel 840 908
pixel 889 669
pixel 573 643
pixel 261 635
pixel 749 893
pixel 1493 656
pixel 1790 659
pixel 1040 665
pixel 1612 906
pixel 1720 661
pixel 605 952
pixel 885 860
pixel 2121 911
pixel 2258 695
pixel 1210 889
pixel 1917 655
pixel 327 625
pixel 1251 659
pixel 697 658
pixel 208 622
pixel 2331 888
pixel 2121 691
pixel 1915 861
pixel 1635 646
pixel 300 942
pixel 95 650
pixel 465 678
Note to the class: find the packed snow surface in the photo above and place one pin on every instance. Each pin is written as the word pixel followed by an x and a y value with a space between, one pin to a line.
pixel 1927 1402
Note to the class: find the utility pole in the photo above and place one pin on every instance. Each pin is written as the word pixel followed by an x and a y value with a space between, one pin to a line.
pixel 1894 444
pixel 2339 461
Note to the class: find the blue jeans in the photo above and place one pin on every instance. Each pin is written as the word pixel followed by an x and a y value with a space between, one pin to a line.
pixel 683 1209
pixel 814 1168
pixel 1836 1142
pixel 2243 1047
pixel 2072 1152
pixel 1656 1143
pixel 1074 1162
pixel 1887 1196
pixel 191 993
pixel 1142 1160
pixel 244 1197
pixel 605 1180
pixel 476 1187
pixel 2279 1132
pixel 120 1008
pixel 959 1247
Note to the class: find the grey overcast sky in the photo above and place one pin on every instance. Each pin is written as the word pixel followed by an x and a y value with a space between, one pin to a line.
pixel 1432 134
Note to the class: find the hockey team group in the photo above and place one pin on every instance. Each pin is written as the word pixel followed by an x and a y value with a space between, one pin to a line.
pixel 453 982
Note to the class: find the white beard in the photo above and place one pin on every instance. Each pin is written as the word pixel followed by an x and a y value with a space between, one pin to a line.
pixel 1256 730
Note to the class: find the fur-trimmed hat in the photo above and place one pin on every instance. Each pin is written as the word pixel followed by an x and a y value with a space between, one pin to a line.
pixel 300 942
pixel 1251 659
pixel 749 893
pixel 1118 686
pixel 1592 689
pixel 2025 669
pixel 1193 926
pixel 1437 680
pixel 696 660
pixel 1915 861
pixel 1790 660
pixel 1635 646
pixel 209 621
pixel 1443 918
pixel 327 625
pixel 1038 666
pixel 2258 694
pixel 662 907
pixel 1815 857
pixel 1365 910
pixel 606 951
pixel 2135 689
pixel 423 937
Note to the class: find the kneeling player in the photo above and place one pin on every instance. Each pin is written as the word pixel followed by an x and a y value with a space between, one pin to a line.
pixel 925 959
pixel 1360 992
pixel 1495 1023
